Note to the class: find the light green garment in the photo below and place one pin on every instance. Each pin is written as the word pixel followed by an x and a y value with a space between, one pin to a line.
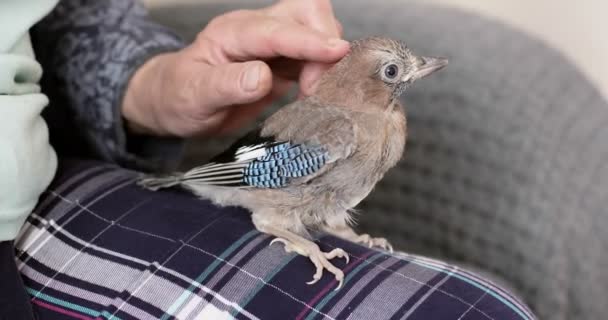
pixel 27 161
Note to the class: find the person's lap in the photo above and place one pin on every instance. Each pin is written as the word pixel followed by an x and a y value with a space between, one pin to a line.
pixel 98 246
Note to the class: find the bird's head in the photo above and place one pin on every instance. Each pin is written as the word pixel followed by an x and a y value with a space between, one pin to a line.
pixel 377 70
pixel 393 63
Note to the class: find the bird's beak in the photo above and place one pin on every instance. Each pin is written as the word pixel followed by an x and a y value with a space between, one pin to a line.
pixel 428 66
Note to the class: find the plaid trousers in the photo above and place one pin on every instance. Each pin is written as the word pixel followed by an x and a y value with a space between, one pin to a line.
pixel 99 247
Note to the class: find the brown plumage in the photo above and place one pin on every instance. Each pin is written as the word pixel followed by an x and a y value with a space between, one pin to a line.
pixel 356 126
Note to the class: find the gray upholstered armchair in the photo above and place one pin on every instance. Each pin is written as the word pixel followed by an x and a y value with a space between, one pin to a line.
pixel 506 164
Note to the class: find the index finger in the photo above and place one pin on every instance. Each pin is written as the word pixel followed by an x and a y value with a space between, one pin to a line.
pixel 317 14
pixel 268 37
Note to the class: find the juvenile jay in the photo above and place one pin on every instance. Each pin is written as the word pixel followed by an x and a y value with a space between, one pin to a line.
pixel 310 163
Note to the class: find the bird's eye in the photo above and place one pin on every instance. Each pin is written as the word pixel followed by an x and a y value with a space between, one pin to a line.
pixel 391 71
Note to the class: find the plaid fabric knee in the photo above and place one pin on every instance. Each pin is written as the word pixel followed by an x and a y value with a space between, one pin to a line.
pixel 99 247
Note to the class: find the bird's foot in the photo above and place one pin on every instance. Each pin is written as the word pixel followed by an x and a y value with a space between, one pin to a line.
pixel 319 258
pixel 349 234
pixel 371 242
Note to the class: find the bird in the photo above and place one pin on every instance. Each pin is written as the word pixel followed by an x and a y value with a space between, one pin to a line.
pixel 307 166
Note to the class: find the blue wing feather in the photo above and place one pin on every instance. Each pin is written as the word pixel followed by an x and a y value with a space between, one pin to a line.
pixel 260 162
pixel 283 162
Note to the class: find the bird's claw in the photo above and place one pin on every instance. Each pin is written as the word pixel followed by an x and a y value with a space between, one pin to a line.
pixel 337 252
pixel 321 261
pixel 319 258
pixel 381 243
pixel 280 240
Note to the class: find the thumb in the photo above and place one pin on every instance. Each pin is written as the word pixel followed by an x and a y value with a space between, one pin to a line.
pixel 235 83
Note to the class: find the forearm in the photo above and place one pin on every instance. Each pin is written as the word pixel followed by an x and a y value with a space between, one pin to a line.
pixel 90 49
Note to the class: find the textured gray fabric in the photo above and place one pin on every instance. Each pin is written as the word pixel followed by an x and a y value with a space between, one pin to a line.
pixel 506 164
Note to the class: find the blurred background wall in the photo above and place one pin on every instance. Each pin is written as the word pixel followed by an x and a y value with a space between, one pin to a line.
pixel 579 29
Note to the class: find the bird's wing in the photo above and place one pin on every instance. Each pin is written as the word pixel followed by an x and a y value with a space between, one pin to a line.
pixel 306 122
pixel 266 159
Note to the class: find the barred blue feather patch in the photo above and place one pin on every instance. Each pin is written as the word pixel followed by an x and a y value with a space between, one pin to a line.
pixel 269 164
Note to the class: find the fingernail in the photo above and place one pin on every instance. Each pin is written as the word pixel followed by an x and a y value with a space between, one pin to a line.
pixel 252 78
pixel 336 42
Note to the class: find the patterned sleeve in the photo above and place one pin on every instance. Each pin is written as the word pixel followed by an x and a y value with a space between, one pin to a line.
pixel 89 49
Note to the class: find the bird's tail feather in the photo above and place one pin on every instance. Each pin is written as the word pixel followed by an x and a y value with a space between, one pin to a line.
pixel 221 174
pixel 155 183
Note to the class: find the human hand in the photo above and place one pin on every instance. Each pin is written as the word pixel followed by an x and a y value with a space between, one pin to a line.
pixel 237 65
